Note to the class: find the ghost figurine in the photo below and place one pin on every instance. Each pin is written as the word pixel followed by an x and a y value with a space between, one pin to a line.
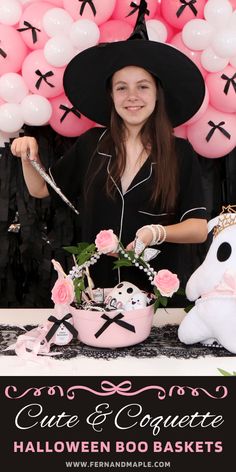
pixel 212 320
pixel 120 295
pixel 137 301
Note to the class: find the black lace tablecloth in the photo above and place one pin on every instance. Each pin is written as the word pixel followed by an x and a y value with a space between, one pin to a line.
pixel 163 341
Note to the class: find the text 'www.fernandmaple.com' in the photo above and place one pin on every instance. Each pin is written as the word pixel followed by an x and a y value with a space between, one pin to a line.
pixel 117 464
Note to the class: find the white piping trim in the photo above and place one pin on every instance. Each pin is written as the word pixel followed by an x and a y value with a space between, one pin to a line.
pixel 192 209
pixel 154 214
pixel 122 210
pixel 103 153
pixel 141 182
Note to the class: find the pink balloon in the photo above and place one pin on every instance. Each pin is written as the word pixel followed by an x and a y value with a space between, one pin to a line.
pixel 179 13
pixel 233 3
pixel 12 50
pixel 180 131
pixel 114 30
pixel 57 3
pixel 66 122
pixel 41 77
pixel 95 10
pixel 195 56
pixel 33 15
pixel 213 135
pixel 125 11
pixel 201 110
pixel 222 89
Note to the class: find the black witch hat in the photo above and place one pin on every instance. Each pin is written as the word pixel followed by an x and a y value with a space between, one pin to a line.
pixel 87 75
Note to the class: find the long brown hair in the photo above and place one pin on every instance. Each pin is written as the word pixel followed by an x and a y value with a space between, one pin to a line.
pixel 156 135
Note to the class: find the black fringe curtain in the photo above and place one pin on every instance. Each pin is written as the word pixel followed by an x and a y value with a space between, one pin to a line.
pixel 32 231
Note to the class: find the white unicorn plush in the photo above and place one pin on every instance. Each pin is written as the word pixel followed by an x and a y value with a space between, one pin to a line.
pixel 212 321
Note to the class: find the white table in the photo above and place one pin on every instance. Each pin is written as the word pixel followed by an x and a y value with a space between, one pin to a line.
pixel 83 366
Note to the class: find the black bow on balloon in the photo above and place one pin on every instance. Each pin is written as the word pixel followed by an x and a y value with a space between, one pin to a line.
pixel 43 77
pixel 189 4
pixel 229 80
pixel 33 29
pixel 214 128
pixel 69 110
pixel 142 8
pixel 90 3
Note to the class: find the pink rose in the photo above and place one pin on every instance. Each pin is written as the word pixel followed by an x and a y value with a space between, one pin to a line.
pixel 63 292
pixel 166 282
pixel 106 241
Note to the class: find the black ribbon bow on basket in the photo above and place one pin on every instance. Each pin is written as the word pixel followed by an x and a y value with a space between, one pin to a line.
pixel 118 320
pixel 57 323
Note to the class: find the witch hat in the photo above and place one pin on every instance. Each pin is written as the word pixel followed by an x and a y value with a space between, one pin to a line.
pixel 88 73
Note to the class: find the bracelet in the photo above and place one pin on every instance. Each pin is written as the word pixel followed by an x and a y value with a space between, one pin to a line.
pixel 161 234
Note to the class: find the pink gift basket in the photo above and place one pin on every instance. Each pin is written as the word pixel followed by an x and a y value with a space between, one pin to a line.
pixel 124 315
pixel 112 329
pixel 104 318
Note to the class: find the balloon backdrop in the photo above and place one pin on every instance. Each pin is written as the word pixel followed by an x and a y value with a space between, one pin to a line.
pixel 38 38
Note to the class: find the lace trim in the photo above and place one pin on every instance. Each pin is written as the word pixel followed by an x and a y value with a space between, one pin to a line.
pixel 163 341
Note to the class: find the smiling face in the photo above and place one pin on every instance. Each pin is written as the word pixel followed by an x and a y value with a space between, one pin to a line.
pixel 134 94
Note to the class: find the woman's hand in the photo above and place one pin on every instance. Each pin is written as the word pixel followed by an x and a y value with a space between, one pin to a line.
pixel 25 148
pixel 144 237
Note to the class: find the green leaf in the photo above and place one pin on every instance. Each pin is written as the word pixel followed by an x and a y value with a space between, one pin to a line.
pixel 156 305
pixel 86 254
pixel 156 292
pixel 181 291
pixel 122 263
pixel 79 288
pixel 163 301
pixel 225 373
pixel 72 249
pixel 188 308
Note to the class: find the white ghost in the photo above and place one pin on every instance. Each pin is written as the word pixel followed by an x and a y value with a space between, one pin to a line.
pixel 213 288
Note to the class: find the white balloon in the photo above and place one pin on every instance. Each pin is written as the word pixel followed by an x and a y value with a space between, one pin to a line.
pixel 197 34
pixel 10 12
pixel 233 61
pixel 224 43
pixel 26 2
pixel 12 87
pixel 157 31
pixel 57 21
pixel 84 34
pixel 11 118
pixel 58 51
pixel 218 12
pixel 36 110
pixel 232 21
pixel 211 62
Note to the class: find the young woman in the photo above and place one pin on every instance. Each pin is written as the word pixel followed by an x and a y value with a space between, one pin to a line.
pixel 133 176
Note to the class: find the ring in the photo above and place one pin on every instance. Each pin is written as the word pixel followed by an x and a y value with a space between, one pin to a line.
pixel 139 246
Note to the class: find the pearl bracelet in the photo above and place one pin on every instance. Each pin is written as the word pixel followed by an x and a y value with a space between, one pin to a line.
pixel 158 234
pixel 161 237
